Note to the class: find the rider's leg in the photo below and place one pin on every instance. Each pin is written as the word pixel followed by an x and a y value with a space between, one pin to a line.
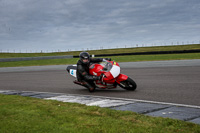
pixel 90 85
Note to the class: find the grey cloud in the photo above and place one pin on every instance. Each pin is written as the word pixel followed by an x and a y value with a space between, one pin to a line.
pixel 63 24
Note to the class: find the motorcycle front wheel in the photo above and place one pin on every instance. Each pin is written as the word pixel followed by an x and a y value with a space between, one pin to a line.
pixel 128 84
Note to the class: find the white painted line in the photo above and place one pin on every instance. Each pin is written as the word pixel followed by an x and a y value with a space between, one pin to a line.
pixel 74 99
pixel 115 98
pixel 109 103
pixel 2 91
pixel 155 102
pixel 90 101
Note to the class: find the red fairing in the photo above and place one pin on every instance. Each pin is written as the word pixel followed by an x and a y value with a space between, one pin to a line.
pixel 110 71
pixel 114 63
pixel 108 76
pixel 121 78
pixel 96 69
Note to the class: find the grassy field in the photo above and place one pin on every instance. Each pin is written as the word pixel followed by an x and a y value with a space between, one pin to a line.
pixel 132 58
pixel 30 115
pixel 106 51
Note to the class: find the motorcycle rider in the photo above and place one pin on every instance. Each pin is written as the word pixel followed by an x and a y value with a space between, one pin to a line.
pixel 83 75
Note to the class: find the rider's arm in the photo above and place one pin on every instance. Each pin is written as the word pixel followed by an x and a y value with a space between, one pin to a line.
pixel 96 60
pixel 86 75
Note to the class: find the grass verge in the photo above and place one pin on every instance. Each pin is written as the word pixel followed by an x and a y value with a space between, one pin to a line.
pixel 106 51
pixel 26 114
pixel 131 58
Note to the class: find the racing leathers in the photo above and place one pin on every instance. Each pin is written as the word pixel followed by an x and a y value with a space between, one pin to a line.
pixel 83 75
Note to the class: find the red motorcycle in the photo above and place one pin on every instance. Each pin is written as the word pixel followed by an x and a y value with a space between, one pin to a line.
pixel 111 76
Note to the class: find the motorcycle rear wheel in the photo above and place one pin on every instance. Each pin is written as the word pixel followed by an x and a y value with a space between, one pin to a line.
pixel 128 84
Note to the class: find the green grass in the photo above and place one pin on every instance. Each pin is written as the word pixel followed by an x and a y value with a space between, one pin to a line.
pixel 108 51
pixel 105 51
pixel 30 115
pixel 157 57
pixel 132 58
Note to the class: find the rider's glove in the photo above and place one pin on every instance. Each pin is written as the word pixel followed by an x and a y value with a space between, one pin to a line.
pixel 97 77
pixel 100 77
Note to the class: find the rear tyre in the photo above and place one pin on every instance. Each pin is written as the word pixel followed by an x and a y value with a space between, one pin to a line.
pixel 128 84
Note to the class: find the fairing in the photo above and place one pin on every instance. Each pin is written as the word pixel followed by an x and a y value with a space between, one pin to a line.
pixel 110 71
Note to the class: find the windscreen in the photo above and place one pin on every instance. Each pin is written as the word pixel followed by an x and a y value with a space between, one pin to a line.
pixel 106 66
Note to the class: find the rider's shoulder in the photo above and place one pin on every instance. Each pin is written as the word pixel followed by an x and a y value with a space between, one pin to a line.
pixel 80 65
pixel 79 62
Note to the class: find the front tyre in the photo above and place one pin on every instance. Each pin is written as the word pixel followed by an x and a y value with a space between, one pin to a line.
pixel 128 84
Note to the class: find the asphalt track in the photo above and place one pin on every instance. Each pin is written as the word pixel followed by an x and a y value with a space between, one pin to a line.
pixel 161 81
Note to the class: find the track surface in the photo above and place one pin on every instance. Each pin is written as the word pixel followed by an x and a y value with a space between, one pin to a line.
pixel 169 81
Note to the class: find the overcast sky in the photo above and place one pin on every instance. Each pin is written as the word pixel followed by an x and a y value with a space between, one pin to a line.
pixel 77 24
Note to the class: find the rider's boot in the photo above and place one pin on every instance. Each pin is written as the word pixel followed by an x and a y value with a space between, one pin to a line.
pixel 91 89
